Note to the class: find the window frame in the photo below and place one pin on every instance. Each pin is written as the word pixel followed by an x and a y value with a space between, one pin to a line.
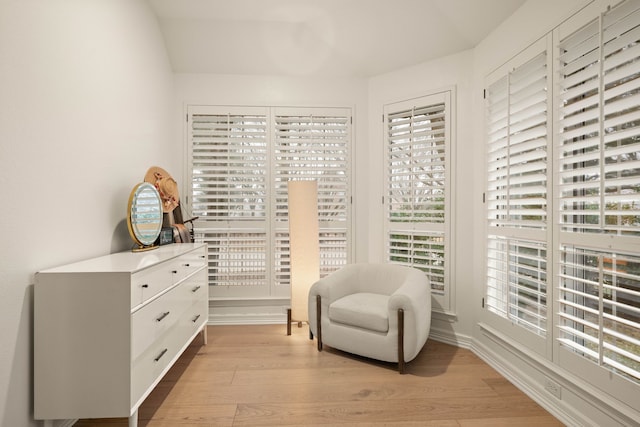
pixel 593 240
pixel 274 283
pixel 514 234
pixel 445 300
pixel 604 248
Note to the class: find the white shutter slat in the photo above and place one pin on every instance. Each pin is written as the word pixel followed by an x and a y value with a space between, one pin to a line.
pixel 620 21
pixel 622 41
pixel 582 40
pixel 621 104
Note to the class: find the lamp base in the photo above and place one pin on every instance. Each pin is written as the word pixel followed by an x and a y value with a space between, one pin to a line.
pixel 299 322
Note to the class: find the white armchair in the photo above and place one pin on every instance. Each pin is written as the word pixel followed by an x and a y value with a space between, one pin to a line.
pixel 380 311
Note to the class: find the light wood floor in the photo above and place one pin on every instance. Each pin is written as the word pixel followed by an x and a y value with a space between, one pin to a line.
pixel 259 376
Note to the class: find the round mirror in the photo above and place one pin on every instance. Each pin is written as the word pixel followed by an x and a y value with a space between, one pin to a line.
pixel 145 215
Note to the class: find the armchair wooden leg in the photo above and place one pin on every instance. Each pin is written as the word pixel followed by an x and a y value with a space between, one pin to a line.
pixel 401 341
pixel 318 321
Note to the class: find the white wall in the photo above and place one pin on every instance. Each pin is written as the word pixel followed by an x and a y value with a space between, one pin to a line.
pixel 86 98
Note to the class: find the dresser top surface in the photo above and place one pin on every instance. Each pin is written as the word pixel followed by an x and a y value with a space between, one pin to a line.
pixel 127 262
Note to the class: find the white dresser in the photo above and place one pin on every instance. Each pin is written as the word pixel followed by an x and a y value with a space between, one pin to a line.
pixel 106 330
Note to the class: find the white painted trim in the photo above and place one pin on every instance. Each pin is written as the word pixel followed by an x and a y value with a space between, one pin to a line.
pixel 257 319
pixel 527 384
pixel 458 340
pixel 591 397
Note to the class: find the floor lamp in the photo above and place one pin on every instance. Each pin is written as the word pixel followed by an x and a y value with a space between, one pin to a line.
pixel 304 247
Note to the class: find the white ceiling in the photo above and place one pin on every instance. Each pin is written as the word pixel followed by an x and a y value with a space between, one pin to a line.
pixel 321 37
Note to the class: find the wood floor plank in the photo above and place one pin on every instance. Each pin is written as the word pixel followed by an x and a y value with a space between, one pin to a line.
pixel 529 421
pixel 205 393
pixel 334 413
pixel 259 376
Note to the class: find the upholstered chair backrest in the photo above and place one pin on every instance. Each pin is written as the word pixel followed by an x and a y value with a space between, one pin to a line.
pixel 382 279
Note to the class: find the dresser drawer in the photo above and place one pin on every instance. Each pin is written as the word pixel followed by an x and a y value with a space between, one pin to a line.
pixel 146 284
pixel 195 287
pixel 189 263
pixel 195 316
pixel 153 320
pixel 150 282
pixel 153 361
pixel 148 367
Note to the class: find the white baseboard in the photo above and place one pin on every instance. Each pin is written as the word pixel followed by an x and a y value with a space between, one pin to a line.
pixel 447 337
pixel 246 320
pixel 248 312
pixel 529 386
pixel 577 403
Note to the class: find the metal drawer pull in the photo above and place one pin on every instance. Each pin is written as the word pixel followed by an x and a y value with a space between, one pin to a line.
pixel 196 318
pixel 145 285
pixel 162 316
pixel 195 289
pixel 187 265
pixel 160 355
pixel 174 271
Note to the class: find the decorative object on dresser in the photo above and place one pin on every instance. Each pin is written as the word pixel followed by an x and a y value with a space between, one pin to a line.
pixel 144 216
pixel 172 209
pixel 106 330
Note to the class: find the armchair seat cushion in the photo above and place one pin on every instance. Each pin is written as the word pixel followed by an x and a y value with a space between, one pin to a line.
pixel 363 310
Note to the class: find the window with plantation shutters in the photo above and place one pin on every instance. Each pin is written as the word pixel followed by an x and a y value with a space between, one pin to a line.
pixel 517 151
pixel 241 159
pixel 598 191
pixel 518 175
pixel 599 315
pixel 313 145
pixel 517 281
pixel 563 206
pixel 599 149
pixel 229 179
pixel 418 170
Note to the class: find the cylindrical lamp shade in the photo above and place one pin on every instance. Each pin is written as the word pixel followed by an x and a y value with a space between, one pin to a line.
pixel 304 244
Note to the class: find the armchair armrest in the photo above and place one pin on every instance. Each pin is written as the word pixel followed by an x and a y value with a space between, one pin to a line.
pixel 413 295
pixel 330 288
pixel 414 298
